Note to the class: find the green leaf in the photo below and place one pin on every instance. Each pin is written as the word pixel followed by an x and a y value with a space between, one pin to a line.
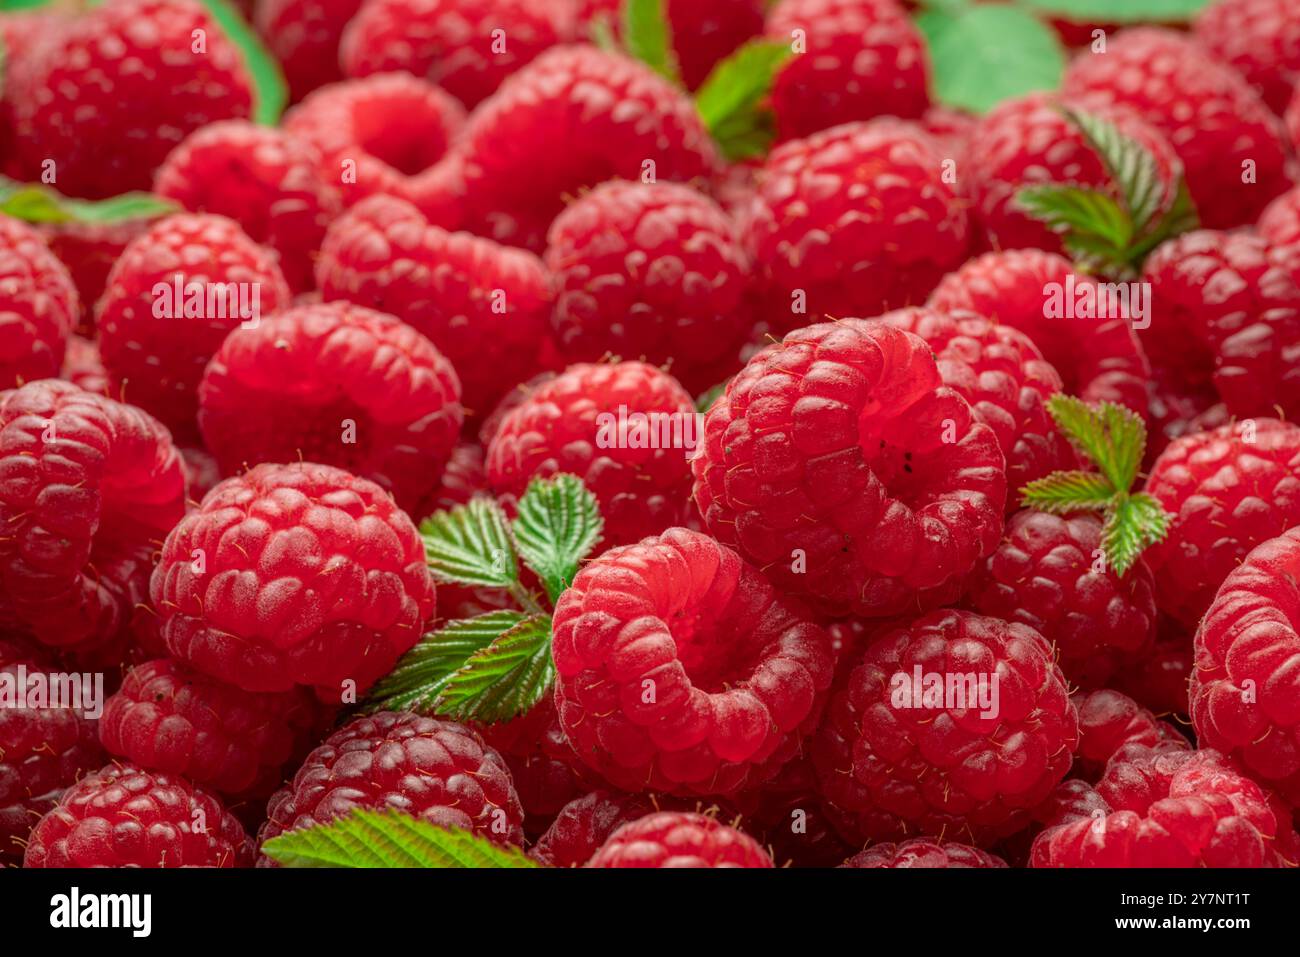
pixel 706 399
pixel 1135 522
pixel 985 54
pixel 733 99
pixel 270 92
pixel 558 525
pixel 421 675
pixel 388 839
pixel 470 545
pixel 1118 11
pixel 504 679
pixel 35 203
pixel 1128 163
pixel 1112 436
pixel 1091 223
pixel 648 37
pixel 1063 492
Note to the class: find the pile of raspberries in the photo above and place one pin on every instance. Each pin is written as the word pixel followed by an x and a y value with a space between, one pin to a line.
pixel 451 257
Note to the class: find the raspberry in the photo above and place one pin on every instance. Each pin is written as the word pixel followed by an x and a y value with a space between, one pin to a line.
pixel 680 669
pixel 1175 410
pixel 1261 39
pixel 922 852
pixel 42 751
pixel 585 823
pixel 1046 574
pixel 89 250
pixel 464 477
pixel 1029 141
pixel 486 307
pixel 1159 681
pixel 861 58
pixel 1243 692
pixel 839 464
pixel 263 179
pixel 652 272
pixel 1279 224
pixel 1006 380
pixel 1227 311
pixel 600 423
pixel 167 717
pixel 39 307
pixel 679 839
pixel 543 765
pixel 293 574
pixel 1112 726
pixel 616 118
pixel 119 87
pixel 1206 111
pixel 201 473
pixel 83 367
pixel 304 35
pixel 1172 809
pixel 467 47
pixel 438 771
pixel 123 816
pixel 891 766
pixel 87 486
pixel 1229 490
pixel 790 819
pixel 171 299
pixel 377 135
pixel 853 221
pixel 21 34
pixel 1101 362
pixel 350 387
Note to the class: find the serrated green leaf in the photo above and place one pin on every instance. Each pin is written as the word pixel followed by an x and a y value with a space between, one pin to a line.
pixel 1118 11
pixel 1063 492
pixel 1112 436
pixel 421 675
pixel 504 679
pixel 1090 222
pixel 648 36
pixel 389 839
pixel 1128 164
pixel 557 526
pixel 34 203
pixel 471 545
pixel 1132 524
pixel 983 55
pixel 733 99
pixel 270 92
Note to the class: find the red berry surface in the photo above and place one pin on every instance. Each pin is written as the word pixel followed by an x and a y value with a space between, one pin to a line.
pixel 585 823
pixel 39 306
pixel 679 839
pixel 923 852
pixel 304 36
pixel 1112 726
pixel 1261 39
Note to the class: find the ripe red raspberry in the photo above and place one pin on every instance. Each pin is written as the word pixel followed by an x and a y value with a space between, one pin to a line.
pixel 167 717
pixel 923 852
pixel 1029 141
pixel 39 308
pixel 1229 490
pixel 853 221
pixel 1206 111
pixel 377 135
pixel 947 766
pixel 652 272
pixel 1100 360
pixel 350 387
pixel 617 119
pixel 264 179
pixel 602 424
pixel 293 574
pixel 1261 39
pixel 486 307
pixel 1291 119
pixel 839 463
pixel 42 750
pixel 169 302
pixel 543 765
pixel 1227 311
pixel 1112 726
pixel 83 367
pixel 21 34
pixel 304 35
pixel 1159 681
pixel 123 816
pixel 1280 222
pixel 789 818
pixel 1170 809
pixel 1175 410
pixel 1007 382
pixel 467 47
pixel 680 669
pixel 119 87
pixel 201 473
pixel 1048 573
pixel 1243 695
pixel 87 486
pixel 704 32
pixel 679 839
pixel 89 250
pixel 857 59
pixel 585 823
pixel 464 477
pixel 438 771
